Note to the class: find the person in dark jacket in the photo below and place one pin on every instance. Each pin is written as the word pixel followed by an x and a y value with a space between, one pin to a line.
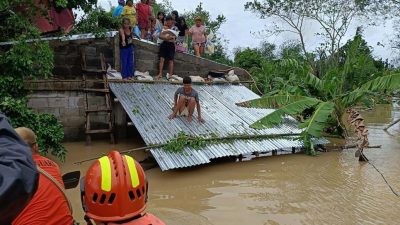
pixel 18 174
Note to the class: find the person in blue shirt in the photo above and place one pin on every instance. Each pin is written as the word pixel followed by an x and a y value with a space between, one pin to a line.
pixel 118 10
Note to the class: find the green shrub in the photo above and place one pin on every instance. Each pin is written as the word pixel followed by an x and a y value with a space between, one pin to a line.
pixel 48 129
pixel 27 58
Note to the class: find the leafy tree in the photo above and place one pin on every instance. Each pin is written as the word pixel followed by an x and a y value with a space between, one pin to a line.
pixel 267 50
pixel 333 16
pixel 213 26
pixel 28 58
pixel 164 6
pixel 248 59
pixel 97 21
pixel 273 72
pixel 327 103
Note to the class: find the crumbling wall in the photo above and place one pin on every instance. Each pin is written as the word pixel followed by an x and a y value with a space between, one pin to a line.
pixel 68 60
pixel 63 96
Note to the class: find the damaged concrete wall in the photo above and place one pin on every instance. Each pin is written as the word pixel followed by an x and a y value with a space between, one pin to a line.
pixel 64 97
pixel 67 58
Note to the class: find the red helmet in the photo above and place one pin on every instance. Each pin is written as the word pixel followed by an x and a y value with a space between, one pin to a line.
pixel 114 189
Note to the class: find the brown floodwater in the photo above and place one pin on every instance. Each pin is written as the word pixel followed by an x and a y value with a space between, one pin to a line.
pixel 332 188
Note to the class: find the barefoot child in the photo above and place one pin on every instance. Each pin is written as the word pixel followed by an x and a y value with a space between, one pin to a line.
pixel 185 100
pixel 126 48
pixel 167 47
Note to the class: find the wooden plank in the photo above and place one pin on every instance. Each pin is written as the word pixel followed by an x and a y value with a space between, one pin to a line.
pixel 98 110
pixel 97 90
pixel 117 54
pixel 102 131
pixel 94 71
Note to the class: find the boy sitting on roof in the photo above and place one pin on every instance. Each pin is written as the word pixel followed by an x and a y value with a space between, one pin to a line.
pixel 185 100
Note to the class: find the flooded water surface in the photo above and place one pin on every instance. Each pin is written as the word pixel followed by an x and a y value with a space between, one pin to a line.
pixel 332 188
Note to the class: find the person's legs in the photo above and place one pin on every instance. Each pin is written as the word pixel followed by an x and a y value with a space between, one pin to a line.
pixel 191 106
pixel 179 107
pixel 143 33
pixel 130 63
pixel 161 67
pixel 201 50
pixel 124 62
pixel 196 49
pixel 171 67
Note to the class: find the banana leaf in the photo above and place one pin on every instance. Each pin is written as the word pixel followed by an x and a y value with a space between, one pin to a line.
pixel 318 121
pixel 276 117
pixel 268 102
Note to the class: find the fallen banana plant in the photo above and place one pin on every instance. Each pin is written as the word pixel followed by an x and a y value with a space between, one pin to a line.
pixel 357 121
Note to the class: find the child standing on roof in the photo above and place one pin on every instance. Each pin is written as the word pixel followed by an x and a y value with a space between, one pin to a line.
pixel 130 12
pixel 144 14
pixel 168 38
pixel 126 48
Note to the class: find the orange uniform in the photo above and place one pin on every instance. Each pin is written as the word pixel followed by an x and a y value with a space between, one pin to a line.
pixel 48 205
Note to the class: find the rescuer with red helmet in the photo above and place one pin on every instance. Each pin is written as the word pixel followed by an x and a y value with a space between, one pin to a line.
pixel 114 191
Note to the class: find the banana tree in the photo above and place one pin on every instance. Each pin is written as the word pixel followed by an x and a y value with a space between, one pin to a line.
pixel 329 105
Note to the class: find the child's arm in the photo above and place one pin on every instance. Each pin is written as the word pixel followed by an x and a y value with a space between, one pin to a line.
pixel 186 35
pixel 122 33
pixel 205 34
pixel 164 36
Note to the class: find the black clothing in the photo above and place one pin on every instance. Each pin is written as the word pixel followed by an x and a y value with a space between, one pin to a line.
pixel 18 174
pixel 182 29
pixel 167 50
pixel 128 40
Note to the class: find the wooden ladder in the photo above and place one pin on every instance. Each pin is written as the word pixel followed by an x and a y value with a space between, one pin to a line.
pixel 90 79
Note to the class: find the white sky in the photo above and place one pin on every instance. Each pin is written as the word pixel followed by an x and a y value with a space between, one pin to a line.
pixel 240 24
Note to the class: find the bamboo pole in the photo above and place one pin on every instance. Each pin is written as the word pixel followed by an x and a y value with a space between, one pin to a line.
pixel 356 146
pixel 392 124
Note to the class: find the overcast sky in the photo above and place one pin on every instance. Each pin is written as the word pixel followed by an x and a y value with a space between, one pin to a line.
pixel 240 25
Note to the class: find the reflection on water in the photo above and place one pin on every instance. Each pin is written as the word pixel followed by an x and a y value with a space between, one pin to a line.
pixel 333 188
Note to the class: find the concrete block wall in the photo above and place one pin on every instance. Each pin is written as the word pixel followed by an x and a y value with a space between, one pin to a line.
pixel 146 59
pixel 67 56
pixel 65 99
pixel 69 108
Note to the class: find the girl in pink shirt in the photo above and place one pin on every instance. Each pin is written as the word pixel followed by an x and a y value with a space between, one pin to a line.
pixel 199 37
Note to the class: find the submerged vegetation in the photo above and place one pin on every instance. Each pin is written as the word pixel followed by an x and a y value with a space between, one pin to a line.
pixel 182 140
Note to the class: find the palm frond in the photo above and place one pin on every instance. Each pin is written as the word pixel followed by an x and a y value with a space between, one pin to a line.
pixel 276 117
pixel 318 121
pixel 275 101
pixel 389 82
pixel 314 81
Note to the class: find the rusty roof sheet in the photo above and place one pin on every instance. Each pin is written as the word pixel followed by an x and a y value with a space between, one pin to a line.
pixel 148 106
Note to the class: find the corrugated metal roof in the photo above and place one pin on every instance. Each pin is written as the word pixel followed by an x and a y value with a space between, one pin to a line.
pixel 149 105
